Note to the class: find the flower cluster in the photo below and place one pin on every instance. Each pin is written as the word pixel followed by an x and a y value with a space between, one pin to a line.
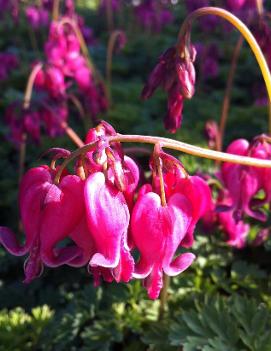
pixel 245 191
pixel 65 65
pixel 65 71
pixel 175 72
pixel 29 121
pixel 106 217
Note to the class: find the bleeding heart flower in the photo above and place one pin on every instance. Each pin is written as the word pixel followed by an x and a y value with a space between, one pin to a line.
pixel 242 182
pixel 157 232
pixel 236 231
pixel 108 220
pixel 49 213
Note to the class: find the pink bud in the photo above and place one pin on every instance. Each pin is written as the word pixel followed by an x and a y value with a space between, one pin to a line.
pixel 187 77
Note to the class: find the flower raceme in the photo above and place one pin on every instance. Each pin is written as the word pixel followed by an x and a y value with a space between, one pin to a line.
pixel 98 217
pixel 64 67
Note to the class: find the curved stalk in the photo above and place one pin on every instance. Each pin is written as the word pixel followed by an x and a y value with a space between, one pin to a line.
pixel 185 30
pixel 72 135
pixel 30 84
pixel 169 144
pixel 227 96
pixel 82 43
pixel 96 73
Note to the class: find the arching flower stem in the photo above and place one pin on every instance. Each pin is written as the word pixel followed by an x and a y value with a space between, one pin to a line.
pixel 184 33
pixel 30 84
pixel 169 144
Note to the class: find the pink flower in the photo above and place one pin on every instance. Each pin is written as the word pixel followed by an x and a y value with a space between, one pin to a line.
pixel 236 231
pixel 242 182
pixel 37 17
pixel 49 214
pixel 108 220
pixel 157 232
pixel 235 5
pixel 55 82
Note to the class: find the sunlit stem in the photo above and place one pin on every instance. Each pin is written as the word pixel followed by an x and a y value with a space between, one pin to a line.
pixel 185 34
pixel 56 6
pixel 30 84
pixel 159 167
pixel 72 135
pixel 168 144
pixel 227 96
pixel 109 56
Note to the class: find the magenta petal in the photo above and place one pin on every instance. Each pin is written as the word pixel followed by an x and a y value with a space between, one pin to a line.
pixel 108 219
pixel 61 256
pixel 124 270
pixel 83 239
pixel 154 283
pixel 238 147
pixel 143 269
pixel 10 243
pixel 150 225
pixel 180 264
pixel 62 211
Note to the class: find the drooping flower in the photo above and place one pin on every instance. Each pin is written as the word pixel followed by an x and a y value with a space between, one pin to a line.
pixel 157 232
pixel 37 17
pixel 49 214
pixel 176 74
pixel 108 220
pixel 160 226
pixel 242 182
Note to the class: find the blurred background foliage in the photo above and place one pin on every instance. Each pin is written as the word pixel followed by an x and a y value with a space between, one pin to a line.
pixel 223 302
